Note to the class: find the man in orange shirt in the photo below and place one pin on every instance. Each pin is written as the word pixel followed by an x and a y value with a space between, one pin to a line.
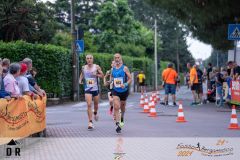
pixel 169 77
pixel 193 82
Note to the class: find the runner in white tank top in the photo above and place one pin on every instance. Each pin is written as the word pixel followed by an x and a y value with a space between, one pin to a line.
pixel 90 74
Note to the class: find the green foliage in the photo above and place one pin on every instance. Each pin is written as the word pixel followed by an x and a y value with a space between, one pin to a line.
pixel 63 39
pixel 28 20
pixel 119 31
pixel 53 64
pixel 88 42
pixel 85 12
pixel 129 49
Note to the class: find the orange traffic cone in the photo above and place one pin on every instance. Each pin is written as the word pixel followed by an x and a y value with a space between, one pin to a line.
pixel 146 105
pixel 180 117
pixel 150 100
pixel 234 122
pixel 141 101
pixel 153 112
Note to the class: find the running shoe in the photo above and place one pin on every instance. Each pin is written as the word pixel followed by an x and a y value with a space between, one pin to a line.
pixel 194 104
pixel 118 128
pixel 121 124
pixel 90 126
pixel 96 118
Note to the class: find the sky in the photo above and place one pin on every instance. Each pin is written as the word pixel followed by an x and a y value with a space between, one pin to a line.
pixel 197 48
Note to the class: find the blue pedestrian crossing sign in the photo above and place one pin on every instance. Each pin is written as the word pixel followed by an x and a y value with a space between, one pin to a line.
pixel 234 32
pixel 80 46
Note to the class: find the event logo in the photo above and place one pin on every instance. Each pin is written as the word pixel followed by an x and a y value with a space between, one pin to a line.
pixel 12 149
pixel 217 151
pixel 119 153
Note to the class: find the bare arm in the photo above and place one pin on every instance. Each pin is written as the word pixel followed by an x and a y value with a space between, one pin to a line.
pixel 81 78
pixel 105 78
pixel 99 72
pixel 126 70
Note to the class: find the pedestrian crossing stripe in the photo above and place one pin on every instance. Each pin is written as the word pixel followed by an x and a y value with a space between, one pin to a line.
pixel 235 33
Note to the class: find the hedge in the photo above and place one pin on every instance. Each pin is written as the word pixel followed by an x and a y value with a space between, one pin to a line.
pixel 54 64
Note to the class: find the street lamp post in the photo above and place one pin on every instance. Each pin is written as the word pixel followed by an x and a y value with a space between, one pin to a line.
pixel 178 68
pixel 74 57
pixel 155 55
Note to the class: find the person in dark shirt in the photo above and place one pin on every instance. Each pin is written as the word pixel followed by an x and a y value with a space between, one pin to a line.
pixel 200 86
pixel 236 71
pixel 219 84
pixel 33 84
pixel 209 70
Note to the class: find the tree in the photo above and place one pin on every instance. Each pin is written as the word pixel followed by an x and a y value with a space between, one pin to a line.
pixel 117 30
pixel 86 11
pixel 170 31
pixel 207 20
pixel 26 20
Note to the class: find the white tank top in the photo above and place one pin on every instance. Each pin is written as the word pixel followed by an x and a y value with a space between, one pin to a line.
pixel 91 80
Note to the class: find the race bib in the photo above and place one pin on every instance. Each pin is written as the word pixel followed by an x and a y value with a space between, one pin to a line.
pixel 90 82
pixel 118 82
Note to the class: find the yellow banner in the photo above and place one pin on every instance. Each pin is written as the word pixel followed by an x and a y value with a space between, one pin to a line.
pixel 22 117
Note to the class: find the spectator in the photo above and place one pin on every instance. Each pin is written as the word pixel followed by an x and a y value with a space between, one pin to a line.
pixel 187 79
pixel 33 86
pixel 209 70
pixel 236 71
pixel 178 81
pixel 219 84
pixel 141 81
pixel 10 82
pixel 193 82
pixel 33 72
pixel 169 77
pixel 3 93
pixel 212 76
pixel 200 84
pixel 1 72
pixel 23 82
pixel 5 65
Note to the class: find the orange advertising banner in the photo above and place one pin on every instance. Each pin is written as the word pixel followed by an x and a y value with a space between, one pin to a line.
pixel 22 117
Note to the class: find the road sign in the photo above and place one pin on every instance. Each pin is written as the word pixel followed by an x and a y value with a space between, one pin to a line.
pixel 80 46
pixel 234 32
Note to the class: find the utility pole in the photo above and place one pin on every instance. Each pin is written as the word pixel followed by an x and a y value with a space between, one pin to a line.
pixel 77 67
pixel 74 57
pixel 217 60
pixel 235 43
pixel 155 55
pixel 178 69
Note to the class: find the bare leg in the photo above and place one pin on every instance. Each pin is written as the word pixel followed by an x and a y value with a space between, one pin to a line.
pixel 116 104
pixel 96 102
pixel 123 109
pixel 88 98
